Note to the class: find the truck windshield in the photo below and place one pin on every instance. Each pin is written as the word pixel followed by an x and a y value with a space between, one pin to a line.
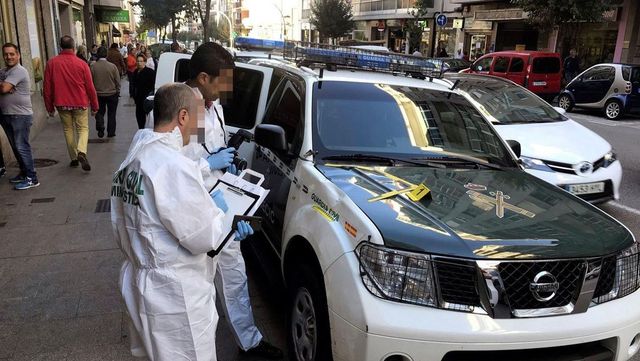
pixel 401 122
pixel 507 103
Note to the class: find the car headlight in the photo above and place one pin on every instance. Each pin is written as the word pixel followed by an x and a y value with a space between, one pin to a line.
pixel 536 164
pixel 397 275
pixel 610 158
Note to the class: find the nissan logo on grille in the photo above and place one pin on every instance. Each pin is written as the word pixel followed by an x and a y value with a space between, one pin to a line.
pixel 544 286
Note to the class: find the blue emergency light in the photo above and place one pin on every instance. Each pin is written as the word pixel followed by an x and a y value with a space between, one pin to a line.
pixel 303 53
pixel 255 43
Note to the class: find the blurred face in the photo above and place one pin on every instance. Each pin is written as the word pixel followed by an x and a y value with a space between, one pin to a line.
pixel 140 63
pixel 224 86
pixel 11 56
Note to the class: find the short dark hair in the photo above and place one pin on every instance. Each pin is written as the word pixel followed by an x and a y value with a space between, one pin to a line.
pixel 102 52
pixel 140 55
pixel 11 45
pixel 169 100
pixel 209 58
pixel 114 46
pixel 67 42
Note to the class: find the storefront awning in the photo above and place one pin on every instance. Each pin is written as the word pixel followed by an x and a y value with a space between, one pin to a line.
pixel 116 33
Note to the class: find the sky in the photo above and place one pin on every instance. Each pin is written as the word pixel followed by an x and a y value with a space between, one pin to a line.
pixel 265 18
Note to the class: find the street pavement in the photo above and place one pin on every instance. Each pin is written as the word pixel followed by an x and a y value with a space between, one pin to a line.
pixel 59 264
pixel 624 137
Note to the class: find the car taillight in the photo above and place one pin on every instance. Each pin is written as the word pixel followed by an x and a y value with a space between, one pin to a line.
pixel 627 87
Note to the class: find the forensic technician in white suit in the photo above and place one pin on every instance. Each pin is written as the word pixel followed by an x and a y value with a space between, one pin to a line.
pixel 165 222
pixel 211 75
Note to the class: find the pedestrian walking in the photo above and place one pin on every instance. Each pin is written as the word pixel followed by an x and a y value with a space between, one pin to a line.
pixel 68 87
pixel 151 62
pixel 114 57
pixel 166 279
pixel 131 71
pixel 144 81
pixel 17 115
pixel 211 75
pixel 94 53
pixel 106 80
pixel 82 53
pixel 571 66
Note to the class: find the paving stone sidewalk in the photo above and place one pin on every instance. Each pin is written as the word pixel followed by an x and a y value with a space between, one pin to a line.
pixel 59 264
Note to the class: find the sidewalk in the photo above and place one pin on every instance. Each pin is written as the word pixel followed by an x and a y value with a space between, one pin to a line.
pixel 59 264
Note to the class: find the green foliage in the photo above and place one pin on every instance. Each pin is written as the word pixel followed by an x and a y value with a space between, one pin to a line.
pixel 219 31
pixel 421 8
pixel 332 18
pixel 161 13
pixel 547 14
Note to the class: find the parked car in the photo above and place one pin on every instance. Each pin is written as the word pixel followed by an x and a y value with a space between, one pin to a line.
pixel 553 146
pixel 404 228
pixel 540 72
pixel 455 65
pixel 613 88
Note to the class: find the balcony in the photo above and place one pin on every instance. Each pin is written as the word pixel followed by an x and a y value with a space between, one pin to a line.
pixel 364 6
pixel 116 4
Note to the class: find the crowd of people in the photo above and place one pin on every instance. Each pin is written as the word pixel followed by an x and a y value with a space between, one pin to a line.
pixel 167 277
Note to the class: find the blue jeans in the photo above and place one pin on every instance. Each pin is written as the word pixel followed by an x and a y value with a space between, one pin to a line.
pixel 17 128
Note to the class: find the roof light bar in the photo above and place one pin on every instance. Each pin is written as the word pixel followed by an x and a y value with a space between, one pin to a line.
pixel 242 42
pixel 304 53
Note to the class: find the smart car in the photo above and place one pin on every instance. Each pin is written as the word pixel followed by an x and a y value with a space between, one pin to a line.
pixel 612 88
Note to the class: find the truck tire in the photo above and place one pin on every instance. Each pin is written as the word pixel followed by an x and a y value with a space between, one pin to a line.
pixel 309 336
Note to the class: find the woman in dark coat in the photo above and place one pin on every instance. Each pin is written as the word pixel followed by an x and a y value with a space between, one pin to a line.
pixel 144 80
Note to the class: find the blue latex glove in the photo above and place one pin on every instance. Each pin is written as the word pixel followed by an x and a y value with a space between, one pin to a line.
pixel 222 159
pixel 218 199
pixel 243 231
pixel 232 169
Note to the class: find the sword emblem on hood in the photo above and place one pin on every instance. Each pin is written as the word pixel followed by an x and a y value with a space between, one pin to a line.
pixel 499 201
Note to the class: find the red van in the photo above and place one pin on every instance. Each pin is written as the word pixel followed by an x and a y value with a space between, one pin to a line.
pixel 538 71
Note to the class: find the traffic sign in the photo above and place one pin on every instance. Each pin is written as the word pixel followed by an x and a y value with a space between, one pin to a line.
pixel 441 20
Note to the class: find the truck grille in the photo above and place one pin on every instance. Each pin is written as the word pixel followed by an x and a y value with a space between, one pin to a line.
pixel 518 276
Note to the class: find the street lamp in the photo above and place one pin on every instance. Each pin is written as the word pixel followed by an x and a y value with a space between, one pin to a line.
pixel 230 26
pixel 282 17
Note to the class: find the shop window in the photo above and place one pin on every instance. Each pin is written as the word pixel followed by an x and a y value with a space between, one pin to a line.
pixel 517 65
pixel 501 65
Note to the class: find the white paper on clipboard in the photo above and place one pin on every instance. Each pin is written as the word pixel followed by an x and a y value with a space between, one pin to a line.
pixel 242 198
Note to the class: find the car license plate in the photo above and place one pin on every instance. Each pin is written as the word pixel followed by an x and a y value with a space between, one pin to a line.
pixel 587 188
pixel 539 83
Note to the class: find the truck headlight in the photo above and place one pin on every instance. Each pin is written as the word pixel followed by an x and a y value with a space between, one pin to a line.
pixel 397 275
pixel 610 158
pixel 535 164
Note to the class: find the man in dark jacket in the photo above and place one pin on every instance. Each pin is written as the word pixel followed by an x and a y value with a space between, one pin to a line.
pixel 114 57
pixel 571 66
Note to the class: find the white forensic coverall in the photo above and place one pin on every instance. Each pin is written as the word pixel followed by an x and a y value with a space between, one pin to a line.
pixel 165 221
pixel 230 263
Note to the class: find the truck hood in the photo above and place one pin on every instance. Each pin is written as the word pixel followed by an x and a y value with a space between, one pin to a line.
pixel 565 142
pixel 459 216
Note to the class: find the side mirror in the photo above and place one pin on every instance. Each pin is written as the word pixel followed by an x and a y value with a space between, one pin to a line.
pixel 271 136
pixel 515 146
pixel 560 110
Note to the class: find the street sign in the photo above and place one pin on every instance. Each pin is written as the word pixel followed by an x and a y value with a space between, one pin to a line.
pixel 422 24
pixel 441 20
pixel 458 23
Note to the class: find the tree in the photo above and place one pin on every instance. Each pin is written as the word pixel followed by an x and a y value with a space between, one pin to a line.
pixel 161 13
pixel 413 27
pixel 219 31
pixel 203 10
pixel 571 14
pixel 332 18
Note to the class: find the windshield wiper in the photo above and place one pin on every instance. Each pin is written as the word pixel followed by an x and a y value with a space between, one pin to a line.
pixel 460 160
pixel 376 158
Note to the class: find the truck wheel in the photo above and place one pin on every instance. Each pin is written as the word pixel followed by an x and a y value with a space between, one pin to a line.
pixel 565 102
pixel 613 109
pixel 309 336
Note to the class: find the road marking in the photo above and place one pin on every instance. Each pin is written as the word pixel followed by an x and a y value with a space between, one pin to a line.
pixel 626 208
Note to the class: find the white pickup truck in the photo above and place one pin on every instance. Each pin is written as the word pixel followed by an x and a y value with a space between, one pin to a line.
pixel 405 230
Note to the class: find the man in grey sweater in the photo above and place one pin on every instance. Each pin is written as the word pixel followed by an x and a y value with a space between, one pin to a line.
pixel 106 79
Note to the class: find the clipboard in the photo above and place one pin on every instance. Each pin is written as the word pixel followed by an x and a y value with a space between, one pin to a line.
pixel 242 198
